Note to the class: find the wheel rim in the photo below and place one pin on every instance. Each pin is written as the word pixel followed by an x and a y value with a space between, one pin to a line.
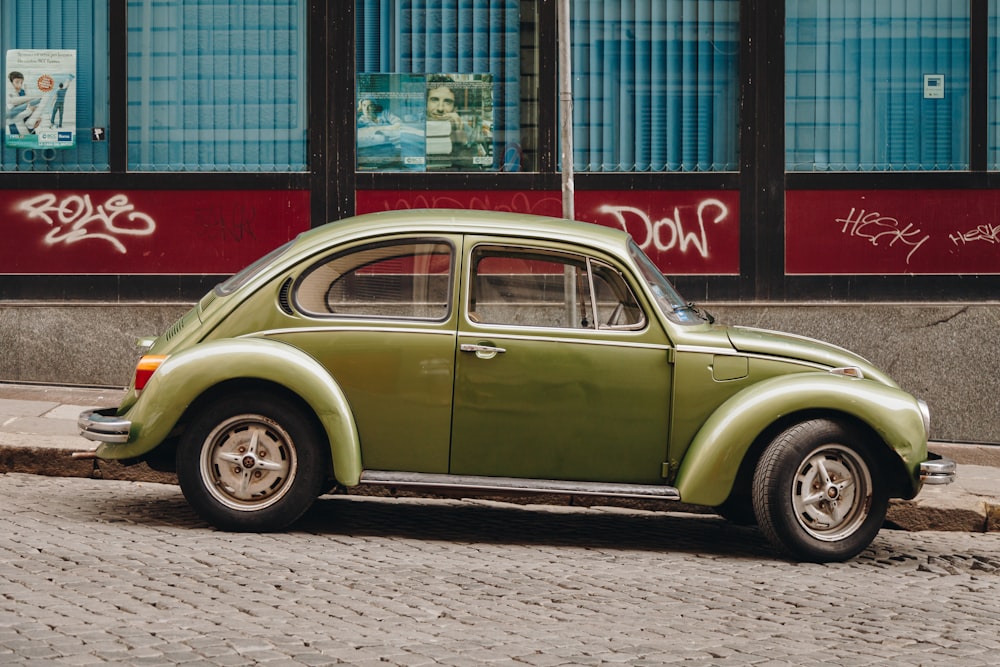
pixel 831 492
pixel 248 462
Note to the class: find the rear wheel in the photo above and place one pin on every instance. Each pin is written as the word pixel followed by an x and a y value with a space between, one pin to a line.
pixel 251 462
pixel 818 493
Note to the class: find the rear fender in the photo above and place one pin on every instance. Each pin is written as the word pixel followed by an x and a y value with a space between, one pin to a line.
pixel 185 376
pixel 711 463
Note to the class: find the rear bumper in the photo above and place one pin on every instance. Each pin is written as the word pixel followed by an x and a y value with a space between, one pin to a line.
pixel 937 470
pixel 103 425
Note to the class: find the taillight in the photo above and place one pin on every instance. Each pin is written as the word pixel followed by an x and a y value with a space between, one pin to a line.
pixel 145 369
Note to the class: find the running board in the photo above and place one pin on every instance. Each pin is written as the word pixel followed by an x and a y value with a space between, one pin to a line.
pixel 479 484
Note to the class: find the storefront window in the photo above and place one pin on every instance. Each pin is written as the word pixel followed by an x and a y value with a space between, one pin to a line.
pixel 879 85
pixel 994 87
pixel 655 85
pixel 55 55
pixel 215 85
pixel 446 85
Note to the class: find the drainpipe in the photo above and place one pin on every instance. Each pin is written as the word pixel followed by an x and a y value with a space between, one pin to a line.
pixel 565 65
pixel 566 144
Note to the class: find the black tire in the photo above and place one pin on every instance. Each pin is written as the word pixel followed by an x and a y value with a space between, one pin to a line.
pixel 818 493
pixel 251 462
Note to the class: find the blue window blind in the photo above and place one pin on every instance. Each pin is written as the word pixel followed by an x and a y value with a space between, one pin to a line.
pixel 655 85
pixel 76 25
pixel 450 37
pixel 858 96
pixel 993 157
pixel 215 85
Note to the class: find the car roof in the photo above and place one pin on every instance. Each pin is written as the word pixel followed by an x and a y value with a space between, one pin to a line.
pixel 460 221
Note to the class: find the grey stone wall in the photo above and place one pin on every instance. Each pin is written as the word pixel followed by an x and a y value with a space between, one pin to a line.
pixel 944 353
pixel 77 344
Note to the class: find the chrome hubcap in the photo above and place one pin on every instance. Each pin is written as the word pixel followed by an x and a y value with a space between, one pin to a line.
pixel 248 462
pixel 831 493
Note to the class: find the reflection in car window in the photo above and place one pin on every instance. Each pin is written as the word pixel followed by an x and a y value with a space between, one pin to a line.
pixel 540 288
pixel 406 279
pixel 667 299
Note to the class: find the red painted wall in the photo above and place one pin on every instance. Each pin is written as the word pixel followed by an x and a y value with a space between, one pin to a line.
pixel 684 232
pixel 892 232
pixel 688 232
pixel 852 232
pixel 143 231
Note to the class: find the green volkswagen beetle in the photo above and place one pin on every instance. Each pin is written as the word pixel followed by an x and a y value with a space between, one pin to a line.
pixel 489 352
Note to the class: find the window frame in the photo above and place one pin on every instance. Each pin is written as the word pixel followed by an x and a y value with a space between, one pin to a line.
pixel 432 242
pixel 580 261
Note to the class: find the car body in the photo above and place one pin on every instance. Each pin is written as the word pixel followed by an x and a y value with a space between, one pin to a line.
pixel 491 352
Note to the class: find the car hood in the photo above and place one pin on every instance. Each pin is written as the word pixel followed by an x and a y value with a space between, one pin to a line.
pixel 790 346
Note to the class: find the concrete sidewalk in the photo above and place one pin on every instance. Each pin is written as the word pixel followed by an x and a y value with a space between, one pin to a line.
pixel 38 435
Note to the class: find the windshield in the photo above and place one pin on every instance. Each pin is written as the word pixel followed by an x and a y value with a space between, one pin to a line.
pixel 667 298
pixel 243 277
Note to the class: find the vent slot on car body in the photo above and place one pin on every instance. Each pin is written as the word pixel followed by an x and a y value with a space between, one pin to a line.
pixel 285 298
pixel 179 325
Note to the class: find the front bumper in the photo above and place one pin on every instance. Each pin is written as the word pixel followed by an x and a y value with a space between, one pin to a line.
pixel 937 470
pixel 103 425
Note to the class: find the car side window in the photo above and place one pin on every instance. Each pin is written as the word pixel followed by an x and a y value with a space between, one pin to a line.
pixel 408 279
pixel 539 288
pixel 616 304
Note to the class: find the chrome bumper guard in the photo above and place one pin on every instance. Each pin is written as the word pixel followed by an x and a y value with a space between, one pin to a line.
pixel 937 470
pixel 103 425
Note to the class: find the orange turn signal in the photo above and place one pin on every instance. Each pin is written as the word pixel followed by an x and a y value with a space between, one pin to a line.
pixel 145 369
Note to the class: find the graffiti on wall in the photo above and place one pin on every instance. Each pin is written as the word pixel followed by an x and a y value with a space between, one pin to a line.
pixel 892 232
pixel 670 232
pixel 235 224
pixel 534 203
pixel 686 232
pixel 983 233
pixel 199 232
pixel 75 218
pixel 883 230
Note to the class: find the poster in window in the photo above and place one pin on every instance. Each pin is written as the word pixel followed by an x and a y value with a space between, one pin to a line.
pixel 424 122
pixel 390 119
pixel 459 122
pixel 40 110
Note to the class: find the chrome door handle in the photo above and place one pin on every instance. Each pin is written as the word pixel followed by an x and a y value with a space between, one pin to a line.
pixel 482 351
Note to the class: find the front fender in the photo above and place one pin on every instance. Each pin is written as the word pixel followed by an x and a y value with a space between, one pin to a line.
pixel 709 467
pixel 185 376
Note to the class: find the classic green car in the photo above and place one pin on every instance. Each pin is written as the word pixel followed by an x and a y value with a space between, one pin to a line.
pixel 488 352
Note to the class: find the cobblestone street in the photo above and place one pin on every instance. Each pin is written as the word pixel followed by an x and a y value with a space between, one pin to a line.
pixel 102 571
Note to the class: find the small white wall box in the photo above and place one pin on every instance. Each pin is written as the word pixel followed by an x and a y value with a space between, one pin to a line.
pixel 933 86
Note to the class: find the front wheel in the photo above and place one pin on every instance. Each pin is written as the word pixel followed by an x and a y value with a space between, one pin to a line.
pixel 251 462
pixel 818 494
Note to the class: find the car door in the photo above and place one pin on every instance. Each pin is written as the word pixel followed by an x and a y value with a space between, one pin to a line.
pixel 380 317
pixel 560 374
